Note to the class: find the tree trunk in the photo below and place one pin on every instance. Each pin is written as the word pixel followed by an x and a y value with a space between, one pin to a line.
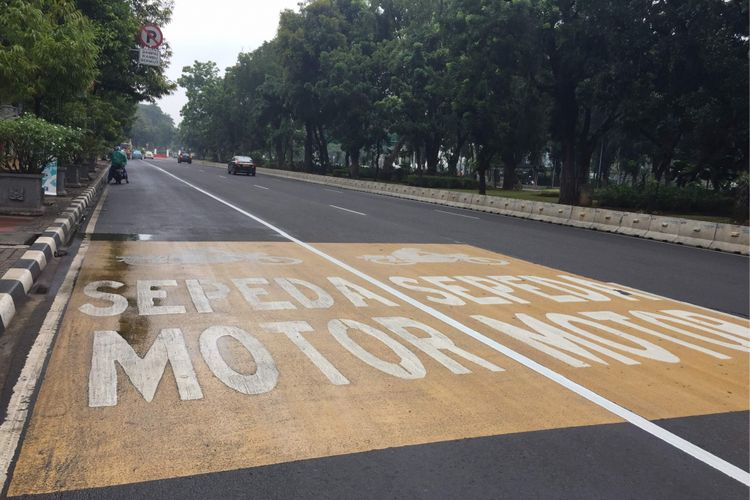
pixel 509 174
pixel 483 165
pixel 325 162
pixel 308 165
pixel 432 151
pixel 354 167
pixel 568 187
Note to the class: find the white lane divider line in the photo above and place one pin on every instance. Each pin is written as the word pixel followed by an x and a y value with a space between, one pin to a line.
pixel 260 187
pixel 23 392
pixel 346 210
pixel 457 215
pixel 332 190
pixel 642 423
pixel 223 176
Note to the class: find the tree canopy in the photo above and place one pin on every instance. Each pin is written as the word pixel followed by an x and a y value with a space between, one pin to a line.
pixel 655 88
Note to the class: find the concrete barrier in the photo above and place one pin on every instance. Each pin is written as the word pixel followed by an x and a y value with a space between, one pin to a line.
pixel 724 237
pixel 634 224
pixel 581 217
pixel 696 233
pixel 521 208
pixel 551 212
pixel 664 229
pixel 607 220
pixel 731 238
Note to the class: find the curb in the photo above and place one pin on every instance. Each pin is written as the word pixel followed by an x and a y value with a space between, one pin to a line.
pixel 688 232
pixel 16 283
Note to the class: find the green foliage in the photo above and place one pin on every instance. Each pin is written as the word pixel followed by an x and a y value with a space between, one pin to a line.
pixel 442 182
pixel 47 49
pixel 656 198
pixel 654 89
pixel 30 143
pixel 152 127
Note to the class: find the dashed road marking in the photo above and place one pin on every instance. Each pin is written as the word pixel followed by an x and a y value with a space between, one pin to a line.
pixel 260 187
pixel 346 210
pixel 457 215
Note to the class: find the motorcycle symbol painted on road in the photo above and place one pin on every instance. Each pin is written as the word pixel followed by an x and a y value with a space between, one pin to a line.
pixel 411 256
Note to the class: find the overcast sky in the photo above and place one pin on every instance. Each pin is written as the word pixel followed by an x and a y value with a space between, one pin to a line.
pixel 216 30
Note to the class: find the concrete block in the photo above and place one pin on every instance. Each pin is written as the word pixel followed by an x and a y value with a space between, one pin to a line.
pixel 521 208
pixel 581 217
pixel 634 224
pixel 664 228
pixel 731 238
pixel 551 212
pixel 696 233
pixel 607 220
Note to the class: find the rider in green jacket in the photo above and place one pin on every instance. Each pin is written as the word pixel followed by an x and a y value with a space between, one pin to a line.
pixel 119 160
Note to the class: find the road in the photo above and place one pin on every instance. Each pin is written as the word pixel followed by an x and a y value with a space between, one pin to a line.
pixel 254 336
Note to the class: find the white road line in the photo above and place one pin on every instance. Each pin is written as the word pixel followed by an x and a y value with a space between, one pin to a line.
pixel 347 210
pixel 20 402
pixel 457 215
pixel 260 187
pixel 642 423
pixel 332 190
pixel 223 176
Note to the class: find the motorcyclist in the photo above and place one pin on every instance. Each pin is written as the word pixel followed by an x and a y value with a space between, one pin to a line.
pixel 119 160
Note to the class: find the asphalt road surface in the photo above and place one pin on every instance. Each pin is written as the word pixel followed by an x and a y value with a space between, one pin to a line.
pixel 232 336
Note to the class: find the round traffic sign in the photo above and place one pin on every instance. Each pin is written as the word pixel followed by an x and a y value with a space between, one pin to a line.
pixel 150 36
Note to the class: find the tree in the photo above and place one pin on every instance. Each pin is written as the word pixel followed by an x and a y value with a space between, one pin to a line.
pixel 594 51
pixel 48 53
pixel 152 127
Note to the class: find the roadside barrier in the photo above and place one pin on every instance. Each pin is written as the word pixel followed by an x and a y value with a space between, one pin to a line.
pixel 730 238
pixel 581 217
pixel 696 233
pixel 607 220
pixel 17 282
pixel 724 237
pixel 552 212
pixel 664 229
pixel 634 224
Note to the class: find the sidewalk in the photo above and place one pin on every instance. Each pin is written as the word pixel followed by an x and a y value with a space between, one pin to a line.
pixel 17 233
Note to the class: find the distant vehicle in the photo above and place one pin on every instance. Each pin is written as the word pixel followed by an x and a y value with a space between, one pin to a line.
pixel 148 155
pixel 136 155
pixel 241 164
pixel 184 157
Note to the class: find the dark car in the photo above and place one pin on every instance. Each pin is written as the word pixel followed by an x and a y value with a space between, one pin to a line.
pixel 184 157
pixel 241 165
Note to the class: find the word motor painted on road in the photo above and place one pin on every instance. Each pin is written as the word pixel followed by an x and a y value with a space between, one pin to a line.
pixel 247 332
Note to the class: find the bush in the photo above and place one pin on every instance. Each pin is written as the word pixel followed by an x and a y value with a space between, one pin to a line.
pixel 340 172
pixel 28 144
pixel 655 198
pixel 442 182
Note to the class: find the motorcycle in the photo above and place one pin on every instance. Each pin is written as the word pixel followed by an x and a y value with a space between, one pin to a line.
pixel 119 174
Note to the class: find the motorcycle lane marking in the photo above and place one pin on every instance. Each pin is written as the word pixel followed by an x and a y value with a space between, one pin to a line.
pixel 640 422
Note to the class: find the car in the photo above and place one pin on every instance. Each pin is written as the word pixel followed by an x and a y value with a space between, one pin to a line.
pixel 136 154
pixel 148 155
pixel 184 157
pixel 241 164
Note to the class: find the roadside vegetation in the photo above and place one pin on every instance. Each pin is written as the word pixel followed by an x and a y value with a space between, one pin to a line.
pixel 579 95
pixel 68 68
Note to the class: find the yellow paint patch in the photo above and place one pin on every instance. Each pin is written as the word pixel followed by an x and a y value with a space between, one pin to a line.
pixel 396 401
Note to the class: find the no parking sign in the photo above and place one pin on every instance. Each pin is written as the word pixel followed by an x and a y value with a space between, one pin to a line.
pixel 150 36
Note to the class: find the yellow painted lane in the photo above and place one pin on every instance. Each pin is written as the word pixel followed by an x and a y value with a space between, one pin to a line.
pixel 184 358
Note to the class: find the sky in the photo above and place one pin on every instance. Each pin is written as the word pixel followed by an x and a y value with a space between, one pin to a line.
pixel 216 30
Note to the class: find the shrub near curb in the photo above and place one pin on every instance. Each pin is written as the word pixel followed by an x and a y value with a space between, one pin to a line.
pixel 28 144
